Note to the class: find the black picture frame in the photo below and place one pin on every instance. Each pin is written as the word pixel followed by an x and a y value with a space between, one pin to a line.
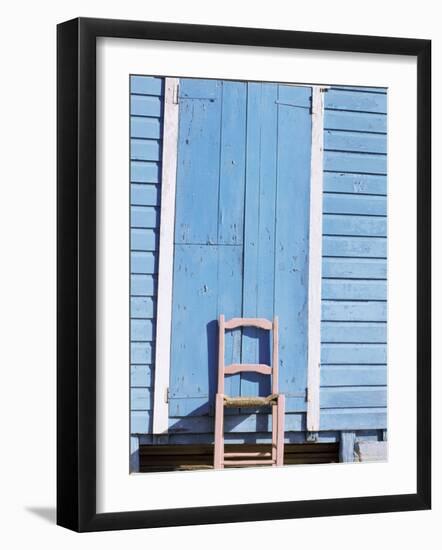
pixel 76 273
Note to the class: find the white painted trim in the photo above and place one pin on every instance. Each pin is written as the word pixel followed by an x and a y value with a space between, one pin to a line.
pixel 315 260
pixel 165 267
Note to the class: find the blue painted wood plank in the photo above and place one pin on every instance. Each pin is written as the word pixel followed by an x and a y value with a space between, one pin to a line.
pixel 363 247
pixel 235 424
pixel 373 89
pixel 146 105
pixel 291 254
pixel 349 100
pixel 143 285
pixel 354 268
pixel 142 308
pixel 355 183
pixel 294 96
pixel 334 224
pixel 144 239
pixel 145 149
pixel 232 163
pixel 353 397
pixel 355 141
pixel 145 172
pixel 264 437
pixel 143 262
pixel 342 161
pixel 260 437
pixel 197 88
pixel 144 217
pixel 356 419
pixel 352 375
pixel 144 194
pixel 140 422
pixel 229 303
pixel 251 222
pixel 354 311
pixel 141 399
pixel 347 446
pixel 267 201
pixel 198 165
pixel 194 321
pixel 359 354
pixel 356 122
pixel 339 203
pixel 353 332
pixel 141 376
pixel 344 289
pixel 145 127
pixel 141 353
pixel 134 462
pixel 150 85
pixel 259 247
pixel 142 330
pixel 180 407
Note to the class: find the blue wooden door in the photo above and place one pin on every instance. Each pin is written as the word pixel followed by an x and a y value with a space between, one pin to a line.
pixel 241 238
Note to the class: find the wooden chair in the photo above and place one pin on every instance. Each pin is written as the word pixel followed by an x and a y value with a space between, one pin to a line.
pixel 275 400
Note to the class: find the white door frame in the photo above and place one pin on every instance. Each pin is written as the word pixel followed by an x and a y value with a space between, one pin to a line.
pixel 315 260
pixel 165 266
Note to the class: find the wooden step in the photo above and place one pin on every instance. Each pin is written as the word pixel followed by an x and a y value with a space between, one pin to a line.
pixel 157 458
pixel 248 455
pixel 247 462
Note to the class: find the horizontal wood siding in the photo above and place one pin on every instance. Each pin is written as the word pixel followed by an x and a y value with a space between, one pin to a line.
pixel 353 392
pixel 146 113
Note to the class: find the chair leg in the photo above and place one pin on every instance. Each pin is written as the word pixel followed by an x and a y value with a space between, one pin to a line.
pixel 274 432
pixel 280 429
pixel 219 432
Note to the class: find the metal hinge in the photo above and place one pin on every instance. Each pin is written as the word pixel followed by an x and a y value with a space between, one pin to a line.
pixel 166 395
pixel 176 94
pixel 322 89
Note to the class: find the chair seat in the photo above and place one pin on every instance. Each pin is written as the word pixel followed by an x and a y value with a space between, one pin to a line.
pixel 250 401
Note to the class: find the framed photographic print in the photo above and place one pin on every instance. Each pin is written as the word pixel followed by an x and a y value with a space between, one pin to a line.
pixel 243 274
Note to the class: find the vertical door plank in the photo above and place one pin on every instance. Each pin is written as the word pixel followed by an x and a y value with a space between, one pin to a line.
pixel 230 304
pixel 198 162
pixel 231 217
pixel 251 221
pixel 232 164
pixel 291 262
pixel 260 228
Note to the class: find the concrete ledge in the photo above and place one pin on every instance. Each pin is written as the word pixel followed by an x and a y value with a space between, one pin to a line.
pixel 371 451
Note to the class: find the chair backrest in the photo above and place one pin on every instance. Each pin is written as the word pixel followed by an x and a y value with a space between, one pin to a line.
pixel 238 322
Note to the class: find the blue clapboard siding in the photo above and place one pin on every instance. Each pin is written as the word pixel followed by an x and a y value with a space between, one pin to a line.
pixel 263 437
pixel 353 393
pixel 146 112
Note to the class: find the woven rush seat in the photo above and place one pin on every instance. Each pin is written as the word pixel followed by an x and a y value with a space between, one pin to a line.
pixel 250 401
